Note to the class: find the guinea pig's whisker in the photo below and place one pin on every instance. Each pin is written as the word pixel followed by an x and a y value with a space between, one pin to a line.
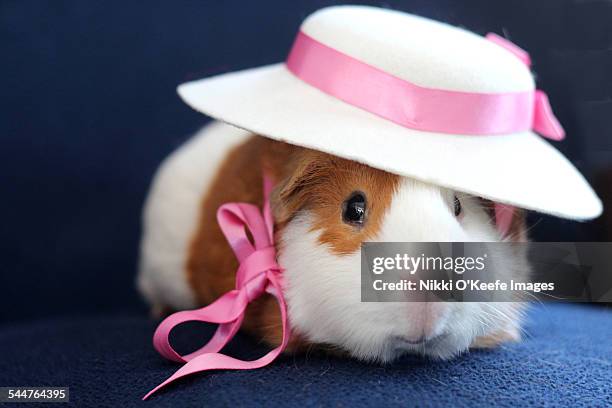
pixel 498 313
pixel 483 322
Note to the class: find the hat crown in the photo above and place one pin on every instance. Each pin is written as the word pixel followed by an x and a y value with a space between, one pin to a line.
pixel 419 50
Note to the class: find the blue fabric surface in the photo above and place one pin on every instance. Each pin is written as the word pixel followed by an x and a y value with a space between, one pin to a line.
pixel 564 360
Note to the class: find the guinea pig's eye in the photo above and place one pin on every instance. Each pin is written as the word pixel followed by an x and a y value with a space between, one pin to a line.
pixel 457 206
pixel 354 209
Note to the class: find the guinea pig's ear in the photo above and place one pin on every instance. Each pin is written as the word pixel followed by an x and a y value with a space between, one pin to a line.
pixel 517 232
pixel 294 193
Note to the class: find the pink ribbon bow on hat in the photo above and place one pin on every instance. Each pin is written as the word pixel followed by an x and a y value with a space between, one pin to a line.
pixel 257 274
pixel 544 120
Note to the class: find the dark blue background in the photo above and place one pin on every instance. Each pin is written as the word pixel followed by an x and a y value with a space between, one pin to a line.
pixel 88 109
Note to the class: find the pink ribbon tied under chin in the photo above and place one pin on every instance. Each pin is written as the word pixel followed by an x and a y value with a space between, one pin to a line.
pixel 544 121
pixel 258 273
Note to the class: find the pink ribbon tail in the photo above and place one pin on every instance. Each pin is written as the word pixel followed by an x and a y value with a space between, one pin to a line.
pixel 544 120
pixel 257 274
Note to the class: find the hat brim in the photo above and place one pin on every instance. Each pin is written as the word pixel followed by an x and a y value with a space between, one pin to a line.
pixel 520 169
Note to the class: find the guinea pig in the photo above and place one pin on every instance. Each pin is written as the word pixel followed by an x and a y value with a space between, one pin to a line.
pixel 319 228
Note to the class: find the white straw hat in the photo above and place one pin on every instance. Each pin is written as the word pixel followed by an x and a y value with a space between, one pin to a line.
pixel 411 96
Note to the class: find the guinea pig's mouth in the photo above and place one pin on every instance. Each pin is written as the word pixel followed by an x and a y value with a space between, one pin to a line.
pixel 422 341
pixel 437 346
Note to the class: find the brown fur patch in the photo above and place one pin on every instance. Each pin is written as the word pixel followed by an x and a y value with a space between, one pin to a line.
pixel 497 338
pixel 320 183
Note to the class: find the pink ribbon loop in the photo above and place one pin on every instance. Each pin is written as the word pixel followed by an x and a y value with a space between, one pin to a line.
pixel 544 121
pixel 257 274
pixel 510 46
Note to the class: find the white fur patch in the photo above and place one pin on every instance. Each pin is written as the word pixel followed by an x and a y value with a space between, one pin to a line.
pixel 171 214
pixel 323 290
